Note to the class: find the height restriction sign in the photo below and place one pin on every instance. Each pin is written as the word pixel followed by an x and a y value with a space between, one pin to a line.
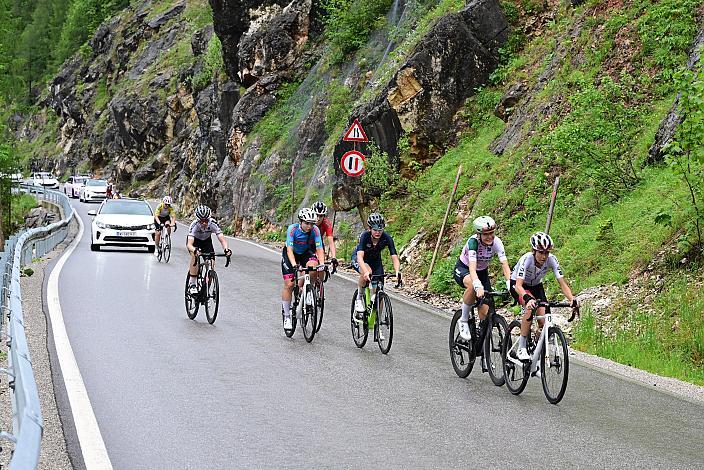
pixel 355 133
pixel 352 163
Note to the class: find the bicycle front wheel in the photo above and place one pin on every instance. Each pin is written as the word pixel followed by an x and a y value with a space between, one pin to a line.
pixel 310 308
pixel 160 251
pixel 516 373
pixel 321 304
pixel 384 322
pixel 212 299
pixel 462 353
pixel 192 303
pixel 166 250
pixel 554 365
pixel 360 329
pixel 493 342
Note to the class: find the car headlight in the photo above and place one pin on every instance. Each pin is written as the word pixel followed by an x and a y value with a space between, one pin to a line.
pixel 101 225
pixel 151 227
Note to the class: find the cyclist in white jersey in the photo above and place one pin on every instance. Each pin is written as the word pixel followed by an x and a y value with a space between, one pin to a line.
pixel 198 239
pixel 471 270
pixel 527 284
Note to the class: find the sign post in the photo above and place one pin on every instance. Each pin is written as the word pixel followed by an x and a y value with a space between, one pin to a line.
pixel 442 228
pixel 552 204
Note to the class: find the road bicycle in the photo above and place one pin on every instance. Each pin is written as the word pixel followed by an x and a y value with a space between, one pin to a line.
pixel 486 341
pixel 377 315
pixel 320 288
pixel 208 292
pixel 309 308
pixel 164 248
pixel 549 357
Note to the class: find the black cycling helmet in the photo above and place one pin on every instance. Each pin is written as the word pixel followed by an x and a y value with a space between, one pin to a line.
pixel 319 208
pixel 376 221
pixel 202 212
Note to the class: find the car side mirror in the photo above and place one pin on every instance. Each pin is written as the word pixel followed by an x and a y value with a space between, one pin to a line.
pixel 92 213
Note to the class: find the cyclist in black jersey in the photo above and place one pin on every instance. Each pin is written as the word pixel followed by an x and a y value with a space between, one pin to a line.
pixel 366 258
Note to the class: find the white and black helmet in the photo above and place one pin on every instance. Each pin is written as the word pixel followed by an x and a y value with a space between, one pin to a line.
pixel 541 241
pixel 376 221
pixel 307 215
pixel 202 212
pixel 484 224
pixel 320 208
pixel 167 200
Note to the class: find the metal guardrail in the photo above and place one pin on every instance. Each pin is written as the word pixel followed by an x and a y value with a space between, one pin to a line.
pixel 21 249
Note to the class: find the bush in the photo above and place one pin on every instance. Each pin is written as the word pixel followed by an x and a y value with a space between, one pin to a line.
pixel 349 22
pixel 379 175
pixel 212 64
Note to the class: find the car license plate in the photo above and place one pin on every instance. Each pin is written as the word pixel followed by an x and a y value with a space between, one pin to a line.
pixel 126 234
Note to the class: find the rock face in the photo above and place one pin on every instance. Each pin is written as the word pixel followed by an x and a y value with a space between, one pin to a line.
pixel 422 99
pixel 669 125
pixel 38 217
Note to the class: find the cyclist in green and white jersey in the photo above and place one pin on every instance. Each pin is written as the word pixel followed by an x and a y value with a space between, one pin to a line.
pixel 527 284
pixel 472 268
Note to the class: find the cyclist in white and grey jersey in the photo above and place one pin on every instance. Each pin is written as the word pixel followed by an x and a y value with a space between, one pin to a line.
pixel 527 284
pixel 472 269
pixel 199 239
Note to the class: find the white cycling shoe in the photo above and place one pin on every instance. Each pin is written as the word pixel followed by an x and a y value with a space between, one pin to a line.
pixel 287 323
pixel 522 354
pixel 359 307
pixel 465 334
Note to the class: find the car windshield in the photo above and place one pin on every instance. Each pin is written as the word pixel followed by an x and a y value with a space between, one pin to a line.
pixel 44 175
pixel 79 179
pixel 96 183
pixel 117 206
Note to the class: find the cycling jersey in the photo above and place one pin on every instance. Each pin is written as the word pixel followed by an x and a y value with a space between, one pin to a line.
pixel 163 211
pixel 372 253
pixel 325 227
pixel 531 274
pixel 203 232
pixel 302 241
pixel 475 250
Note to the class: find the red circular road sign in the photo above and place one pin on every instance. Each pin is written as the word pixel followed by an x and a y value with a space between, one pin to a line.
pixel 352 163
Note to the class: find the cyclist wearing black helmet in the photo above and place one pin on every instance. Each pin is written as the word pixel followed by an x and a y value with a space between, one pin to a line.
pixel 198 239
pixel 366 257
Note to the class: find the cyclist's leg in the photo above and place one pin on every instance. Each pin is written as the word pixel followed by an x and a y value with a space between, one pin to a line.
pixel 463 279
pixel 287 291
pixel 486 282
pixel 157 234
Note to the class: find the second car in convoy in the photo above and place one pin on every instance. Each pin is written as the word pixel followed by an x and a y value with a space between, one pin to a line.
pixel 74 184
pixel 93 190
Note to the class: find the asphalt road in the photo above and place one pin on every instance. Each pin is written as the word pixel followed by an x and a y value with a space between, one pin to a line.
pixel 169 392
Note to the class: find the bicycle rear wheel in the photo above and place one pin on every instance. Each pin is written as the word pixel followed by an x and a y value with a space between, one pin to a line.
pixel 493 342
pixel 360 329
pixel 462 353
pixel 321 304
pixel 384 322
pixel 192 303
pixel 310 308
pixel 166 250
pixel 212 299
pixel 555 365
pixel 516 373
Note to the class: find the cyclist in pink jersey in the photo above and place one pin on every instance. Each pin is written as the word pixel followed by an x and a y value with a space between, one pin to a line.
pixel 471 270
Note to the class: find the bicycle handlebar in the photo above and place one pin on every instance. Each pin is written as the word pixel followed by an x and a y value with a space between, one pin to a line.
pixel 542 303
pixel 491 294
pixel 208 256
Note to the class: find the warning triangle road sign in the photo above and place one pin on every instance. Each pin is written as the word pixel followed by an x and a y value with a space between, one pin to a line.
pixel 355 133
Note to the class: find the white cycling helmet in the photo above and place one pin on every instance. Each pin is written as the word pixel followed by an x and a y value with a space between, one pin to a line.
pixel 307 215
pixel 484 224
pixel 541 241
pixel 319 208
pixel 202 212
pixel 167 200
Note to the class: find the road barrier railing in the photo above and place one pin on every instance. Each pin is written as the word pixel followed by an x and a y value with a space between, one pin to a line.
pixel 20 250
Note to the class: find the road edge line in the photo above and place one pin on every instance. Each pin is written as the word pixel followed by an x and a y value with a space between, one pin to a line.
pixel 93 451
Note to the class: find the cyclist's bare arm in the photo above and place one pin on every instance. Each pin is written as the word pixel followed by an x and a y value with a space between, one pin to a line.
pixel 362 265
pixel 565 289
pixel 291 257
pixel 320 254
pixel 507 272
pixel 331 244
pixel 396 262
pixel 189 244
pixel 223 242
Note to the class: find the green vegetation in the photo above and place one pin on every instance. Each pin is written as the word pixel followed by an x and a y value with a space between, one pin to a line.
pixel 212 64
pixel 278 121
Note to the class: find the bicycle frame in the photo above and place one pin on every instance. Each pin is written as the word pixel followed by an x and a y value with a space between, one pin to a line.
pixel 306 282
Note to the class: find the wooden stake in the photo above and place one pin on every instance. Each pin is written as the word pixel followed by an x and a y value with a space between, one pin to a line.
pixel 444 222
pixel 552 204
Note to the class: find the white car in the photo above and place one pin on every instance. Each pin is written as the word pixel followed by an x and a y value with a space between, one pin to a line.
pixel 123 222
pixel 74 184
pixel 43 179
pixel 93 190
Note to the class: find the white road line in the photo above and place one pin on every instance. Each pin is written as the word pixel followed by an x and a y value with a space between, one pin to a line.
pixel 95 456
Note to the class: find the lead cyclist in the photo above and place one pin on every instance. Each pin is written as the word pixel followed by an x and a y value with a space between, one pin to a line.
pixel 199 239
